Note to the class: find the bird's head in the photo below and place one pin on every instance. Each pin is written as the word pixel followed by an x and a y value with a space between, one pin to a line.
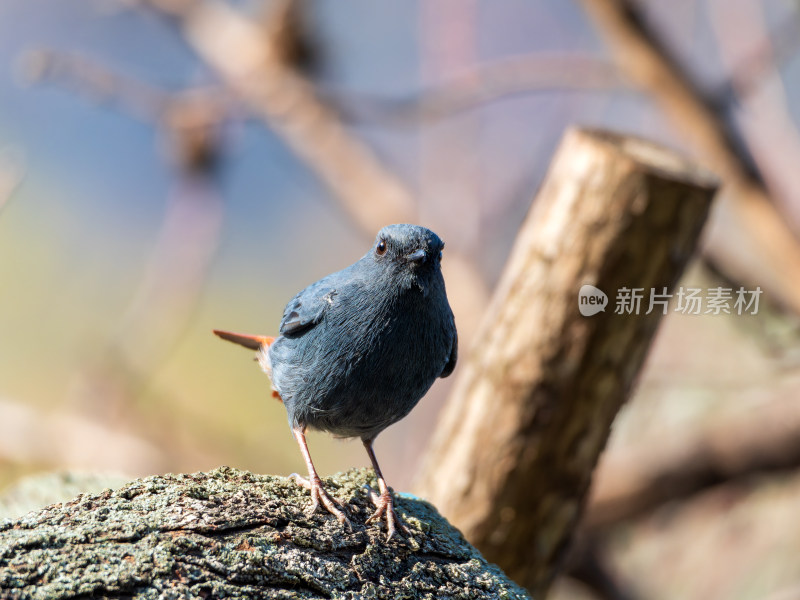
pixel 411 253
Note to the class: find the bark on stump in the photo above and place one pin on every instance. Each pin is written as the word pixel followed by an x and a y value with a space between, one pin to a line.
pixel 531 410
pixel 233 534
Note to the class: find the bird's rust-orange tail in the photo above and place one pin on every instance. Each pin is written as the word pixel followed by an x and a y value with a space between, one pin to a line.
pixel 254 342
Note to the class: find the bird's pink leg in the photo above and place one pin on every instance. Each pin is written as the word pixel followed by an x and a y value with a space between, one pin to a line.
pixel 384 502
pixel 313 483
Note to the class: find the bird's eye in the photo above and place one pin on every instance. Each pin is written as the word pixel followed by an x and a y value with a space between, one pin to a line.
pixel 380 249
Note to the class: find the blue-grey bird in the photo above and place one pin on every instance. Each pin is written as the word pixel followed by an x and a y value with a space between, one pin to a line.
pixel 359 348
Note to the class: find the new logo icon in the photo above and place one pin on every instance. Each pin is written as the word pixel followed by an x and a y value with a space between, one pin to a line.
pixel 591 300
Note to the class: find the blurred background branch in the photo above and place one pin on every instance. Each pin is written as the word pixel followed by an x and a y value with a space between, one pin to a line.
pixel 88 77
pixel 249 63
pixel 733 447
pixel 12 169
pixel 479 86
pixel 32 436
pixel 250 60
pixel 746 232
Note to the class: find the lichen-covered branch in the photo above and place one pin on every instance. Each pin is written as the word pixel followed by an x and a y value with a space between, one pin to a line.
pixel 233 534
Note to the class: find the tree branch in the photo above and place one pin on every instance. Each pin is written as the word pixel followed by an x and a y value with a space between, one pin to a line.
pixel 531 410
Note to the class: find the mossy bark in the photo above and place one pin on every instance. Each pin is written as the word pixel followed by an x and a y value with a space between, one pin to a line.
pixel 233 534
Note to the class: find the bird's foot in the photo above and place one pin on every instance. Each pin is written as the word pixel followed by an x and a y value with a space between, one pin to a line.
pixel 385 508
pixel 320 496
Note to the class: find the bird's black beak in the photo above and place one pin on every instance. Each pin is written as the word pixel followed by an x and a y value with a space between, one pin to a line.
pixel 418 256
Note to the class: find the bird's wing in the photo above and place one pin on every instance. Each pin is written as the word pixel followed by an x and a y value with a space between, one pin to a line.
pixel 308 307
pixel 451 362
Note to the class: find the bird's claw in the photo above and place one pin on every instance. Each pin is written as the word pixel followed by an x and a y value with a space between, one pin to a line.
pixel 320 496
pixel 384 504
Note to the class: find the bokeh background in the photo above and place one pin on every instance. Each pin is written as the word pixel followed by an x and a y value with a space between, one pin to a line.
pixel 147 196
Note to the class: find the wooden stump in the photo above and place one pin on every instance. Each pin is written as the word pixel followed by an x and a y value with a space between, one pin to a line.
pixel 531 410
